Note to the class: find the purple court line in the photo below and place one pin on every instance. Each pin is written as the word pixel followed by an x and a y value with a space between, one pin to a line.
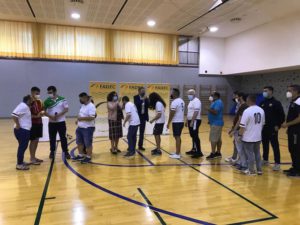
pixel 132 200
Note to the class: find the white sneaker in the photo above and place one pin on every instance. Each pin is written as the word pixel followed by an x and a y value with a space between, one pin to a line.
pixel 264 163
pixel 259 172
pixel 247 172
pixel 229 160
pixel 276 167
pixel 175 156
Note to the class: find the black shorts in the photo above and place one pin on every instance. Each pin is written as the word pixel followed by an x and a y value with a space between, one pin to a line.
pixel 36 131
pixel 158 128
pixel 177 129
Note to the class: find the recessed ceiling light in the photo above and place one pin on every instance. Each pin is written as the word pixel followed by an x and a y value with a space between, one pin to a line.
pixel 151 23
pixel 213 29
pixel 75 16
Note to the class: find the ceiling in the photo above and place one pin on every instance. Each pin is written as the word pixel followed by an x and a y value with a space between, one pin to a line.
pixel 171 16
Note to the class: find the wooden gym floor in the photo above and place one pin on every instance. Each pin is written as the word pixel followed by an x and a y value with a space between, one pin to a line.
pixel 143 190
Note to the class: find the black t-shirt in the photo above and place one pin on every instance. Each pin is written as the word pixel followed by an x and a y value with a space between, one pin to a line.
pixel 274 112
pixel 293 113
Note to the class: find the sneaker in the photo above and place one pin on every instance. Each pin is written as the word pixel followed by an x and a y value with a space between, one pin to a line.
pixel 265 163
pixel 52 155
pixel 211 156
pixel 86 160
pixel 35 162
pixel 175 156
pixel 197 155
pixel 218 155
pixel 229 159
pixel 22 167
pixel 289 170
pixel 259 173
pixel 39 160
pixel 142 148
pixel 67 155
pixel 156 152
pixel 128 154
pixel 248 173
pixel 78 158
pixel 293 174
pixel 241 168
pixel 119 151
pixel 276 167
pixel 191 152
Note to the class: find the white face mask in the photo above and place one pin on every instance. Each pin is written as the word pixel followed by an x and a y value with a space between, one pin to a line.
pixel 51 95
pixel 289 94
pixel 210 98
pixel 237 100
pixel 37 96
pixel 190 97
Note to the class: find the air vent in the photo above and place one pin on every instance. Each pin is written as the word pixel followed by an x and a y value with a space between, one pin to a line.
pixel 236 20
pixel 77 1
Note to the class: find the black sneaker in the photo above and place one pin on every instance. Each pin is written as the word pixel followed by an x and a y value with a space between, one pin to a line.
pixel 52 155
pixel 211 156
pixel 67 155
pixel 78 158
pixel 128 154
pixel 157 152
pixel 191 152
pixel 289 170
pixel 154 150
pixel 218 155
pixel 142 148
pixel 86 160
pixel 119 151
pixel 197 156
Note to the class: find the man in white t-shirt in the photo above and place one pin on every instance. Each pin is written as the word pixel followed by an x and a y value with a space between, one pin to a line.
pixel 86 128
pixel 193 123
pixel 133 119
pixel 252 122
pixel 22 118
pixel 177 118
pixel 56 108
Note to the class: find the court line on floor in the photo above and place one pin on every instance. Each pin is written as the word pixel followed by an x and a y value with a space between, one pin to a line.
pixel 130 199
pixel 161 220
pixel 44 194
pixel 229 189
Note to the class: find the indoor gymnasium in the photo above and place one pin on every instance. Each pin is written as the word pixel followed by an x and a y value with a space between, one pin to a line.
pixel 135 112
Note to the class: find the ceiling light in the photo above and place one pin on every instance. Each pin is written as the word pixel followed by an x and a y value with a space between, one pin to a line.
pixel 75 16
pixel 151 23
pixel 213 29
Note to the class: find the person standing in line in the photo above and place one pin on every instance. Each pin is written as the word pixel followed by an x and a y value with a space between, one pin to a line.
pixel 115 116
pixel 158 104
pixel 56 108
pixel 22 119
pixel 177 118
pixel 142 104
pixel 275 116
pixel 36 131
pixel 293 130
pixel 251 125
pixel 215 118
pixel 86 128
pixel 133 119
pixel 193 123
pixel 240 162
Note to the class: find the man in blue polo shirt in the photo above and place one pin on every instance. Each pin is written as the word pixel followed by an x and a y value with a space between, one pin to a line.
pixel 215 119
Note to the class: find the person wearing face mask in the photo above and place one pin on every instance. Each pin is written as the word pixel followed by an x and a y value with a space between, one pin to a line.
pixel 36 131
pixel 193 123
pixel 85 129
pixel 142 104
pixel 275 116
pixel 115 116
pixel 56 108
pixel 293 129
pixel 22 119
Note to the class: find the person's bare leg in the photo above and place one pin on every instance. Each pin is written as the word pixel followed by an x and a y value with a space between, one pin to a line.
pixel 32 148
pixel 117 143
pixel 213 147
pixel 89 151
pixel 178 144
pixel 80 149
pixel 219 146
pixel 157 140
pixel 112 144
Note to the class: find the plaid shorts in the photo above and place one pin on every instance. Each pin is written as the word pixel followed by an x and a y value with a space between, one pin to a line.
pixel 115 129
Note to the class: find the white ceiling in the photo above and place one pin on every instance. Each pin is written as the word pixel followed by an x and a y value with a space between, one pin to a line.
pixel 170 15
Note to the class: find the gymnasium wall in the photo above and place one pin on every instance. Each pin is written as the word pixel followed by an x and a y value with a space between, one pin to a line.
pixel 71 78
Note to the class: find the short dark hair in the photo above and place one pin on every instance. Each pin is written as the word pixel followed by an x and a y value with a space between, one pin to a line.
pixel 217 94
pixel 243 95
pixel 125 99
pixel 270 88
pixel 35 89
pixel 295 87
pixel 110 96
pixel 51 88
pixel 176 91
pixel 252 98
pixel 26 98
pixel 83 94
pixel 141 88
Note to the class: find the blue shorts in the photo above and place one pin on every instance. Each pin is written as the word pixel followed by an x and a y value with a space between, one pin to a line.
pixel 177 129
pixel 84 136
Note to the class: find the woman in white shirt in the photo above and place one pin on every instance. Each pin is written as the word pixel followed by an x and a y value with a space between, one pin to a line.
pixel 159 105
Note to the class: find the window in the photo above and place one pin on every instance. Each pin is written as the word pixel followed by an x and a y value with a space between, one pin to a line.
pixel 188 51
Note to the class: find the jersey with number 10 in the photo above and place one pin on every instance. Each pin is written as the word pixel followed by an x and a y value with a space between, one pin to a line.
pixel 253 120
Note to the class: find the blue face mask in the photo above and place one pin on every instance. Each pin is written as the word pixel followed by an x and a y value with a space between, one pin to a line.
pixel 115 98
pixel 190 97
pixel 265 94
